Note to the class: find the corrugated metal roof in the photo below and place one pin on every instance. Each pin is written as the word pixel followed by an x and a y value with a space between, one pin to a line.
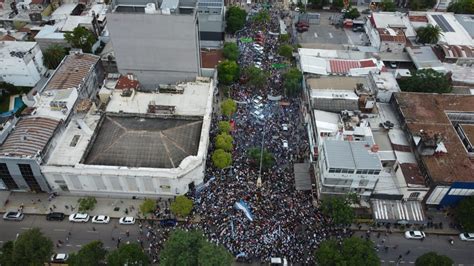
pixel 72 71
pixel 350 155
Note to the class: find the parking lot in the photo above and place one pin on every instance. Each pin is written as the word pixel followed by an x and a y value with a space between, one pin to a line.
pixel 324 33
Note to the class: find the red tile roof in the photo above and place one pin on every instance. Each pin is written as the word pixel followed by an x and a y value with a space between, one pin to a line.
pixel 386 36
pixel 344 66
pixel 126 82
pixel 210 59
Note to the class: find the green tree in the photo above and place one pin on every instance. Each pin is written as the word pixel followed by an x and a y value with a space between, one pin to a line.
pixel 181 206
pixel 461 7
pixel 337 4
pixel 286 51
pixel 6 253
pixel 262 17
pixel 256 77
pixel 235 19
pixel 81 38
pixel 421 4
pixel 292 81
pixel 432 258
pixel 353 13
pixel 91 254
pixel 227 72
pixel 284 37
pixel 463 213
pixel 353 251
pixel 221 159
pixel 224 127
pixel 148 206
pixel 388 5
pixel 231 51
pixel 86 204
pixel 429 34
pixel 53 56
pixel 224 141
pixel 427 80
pixel 191 248
pixel 318 3
pixel 127 254
pixel 228 107
pixel 338 209
pixel 267 157
pixel 32 248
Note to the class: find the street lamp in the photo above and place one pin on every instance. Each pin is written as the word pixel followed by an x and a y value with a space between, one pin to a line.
pixel 259 179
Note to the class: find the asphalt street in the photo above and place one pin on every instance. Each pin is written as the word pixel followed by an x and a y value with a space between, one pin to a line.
pixel 461 252
pixel 81 233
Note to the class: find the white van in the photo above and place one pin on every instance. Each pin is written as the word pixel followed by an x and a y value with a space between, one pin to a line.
pixel 278 261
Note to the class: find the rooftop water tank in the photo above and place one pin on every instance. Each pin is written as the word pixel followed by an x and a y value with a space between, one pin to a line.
pixel 150 8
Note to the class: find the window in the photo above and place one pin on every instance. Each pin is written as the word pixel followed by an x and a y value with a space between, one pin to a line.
pixel 414 196
pixel 27 173
pixel 6 177
pixel 332 170
pixel 359 172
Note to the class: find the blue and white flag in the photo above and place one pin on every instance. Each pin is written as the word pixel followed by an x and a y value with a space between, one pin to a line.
pixel 201 187
pixel 241 205
pixel 241 254
pixel 232 228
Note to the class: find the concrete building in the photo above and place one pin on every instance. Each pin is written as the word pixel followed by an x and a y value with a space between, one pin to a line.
pixel 21 63
pixel 27 143
pixel 389 31
pixel 144 144
pixel 211 17
pixel 157 43
pixel 439 129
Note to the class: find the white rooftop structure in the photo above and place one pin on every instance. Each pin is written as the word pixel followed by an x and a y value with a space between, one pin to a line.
pixel 393 20
pixel 453 32
pixel 51 32
pixel 63 11
pixel 56 104
pixel 326 121
pixel 351 155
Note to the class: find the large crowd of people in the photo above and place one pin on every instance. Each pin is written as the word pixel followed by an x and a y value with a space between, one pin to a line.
pixel 281 221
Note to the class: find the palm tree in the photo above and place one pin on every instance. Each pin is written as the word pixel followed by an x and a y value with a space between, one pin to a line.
pixel 429 34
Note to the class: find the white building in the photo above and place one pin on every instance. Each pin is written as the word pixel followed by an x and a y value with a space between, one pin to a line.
pixel 389 31
pixel 21 63
pixel 145 144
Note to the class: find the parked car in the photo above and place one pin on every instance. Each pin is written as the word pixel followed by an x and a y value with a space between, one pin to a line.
pixel 466 236
pixel 414 235
pixel 127 220
pixel 358 29
pixel 285 144
pixel 59 258
pixel 100 219
pixel 79 217
pixel 284 127
pixel 13 216
pixel 55 216
pixel 168 222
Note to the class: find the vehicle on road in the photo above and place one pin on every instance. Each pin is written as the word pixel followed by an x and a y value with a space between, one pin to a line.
pixel 414 235
pixel 59 258
pixel 285 144
pixel 55 216
pixel 79 217
pixel 466 236
pixel 13 216
pixel 127 220
pixel 285 127
pixel 101 219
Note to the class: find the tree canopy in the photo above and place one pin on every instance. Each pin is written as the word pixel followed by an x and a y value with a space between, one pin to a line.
pixel 127 254
pixel 235 19
pixel 91 254
pixel 292 81
pixel 284 37
pixel 388 5
pixel 31 248
pixel 224 127
pixel 231 51
pixel 81 38
pixel 429 34
pixel 338 209
pixel 353 251
pixel 352 13
pixel 427 80
pixel 228 107
pixel 181 206
pixel 191 248
pixel 432 258
pixel 421 4
pixel 286 51
pixel 148 206
pixel 461 7
pixel 86 204
pixel 267 157
pixel 227 72
pixel 6 253
pixel 256 77
pixel 463 213
pixel 53 56
pixel 221 159
pixel 262 17
pixel 224 141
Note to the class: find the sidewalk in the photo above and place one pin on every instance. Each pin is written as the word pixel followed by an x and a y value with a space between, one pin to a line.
pixel 38 204
pixel 433 231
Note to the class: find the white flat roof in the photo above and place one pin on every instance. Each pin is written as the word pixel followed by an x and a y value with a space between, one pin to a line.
pixel 335 94
pixel 192 102
pixel 43 106
pixel 386 19
pixel 63 11
pixel 458 35
pixel 74 21
pixel 313 64
pixel 326 121
pixel 7 47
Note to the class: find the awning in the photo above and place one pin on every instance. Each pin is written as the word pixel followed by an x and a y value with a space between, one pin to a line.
pixel 302 176
pixel 397 211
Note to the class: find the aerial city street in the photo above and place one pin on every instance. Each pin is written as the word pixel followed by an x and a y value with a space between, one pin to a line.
pixel 212 132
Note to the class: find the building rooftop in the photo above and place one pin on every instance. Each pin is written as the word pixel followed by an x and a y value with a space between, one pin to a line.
pixel 29 137
pixel 144 141
pixel 431 113
pixel 453 32
pixel 15 49
pixel 383 20
pixel 424 57
pixel 335 83
pixel 467 21
pixel 350 155
pixel 72 71
pixel 391 35
pixel 210 59
pixel 56 104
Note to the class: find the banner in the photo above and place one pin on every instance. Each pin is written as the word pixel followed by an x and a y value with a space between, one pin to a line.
pixel 241 205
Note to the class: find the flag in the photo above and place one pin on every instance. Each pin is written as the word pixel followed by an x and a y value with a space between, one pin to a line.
pixel 241 205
